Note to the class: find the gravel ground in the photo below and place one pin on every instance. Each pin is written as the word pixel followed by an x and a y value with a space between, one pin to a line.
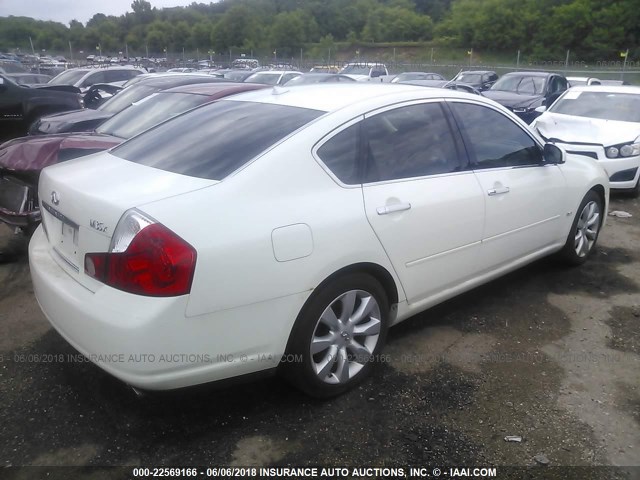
pixel 549 354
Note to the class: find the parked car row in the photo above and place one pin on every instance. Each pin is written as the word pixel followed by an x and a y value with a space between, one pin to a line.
pixel 353 205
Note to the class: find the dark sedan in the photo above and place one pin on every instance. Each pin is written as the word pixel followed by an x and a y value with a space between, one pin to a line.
pixel 21 105
pixel 88 119
pixel 479 79
pixel 523 92
pixel 22 159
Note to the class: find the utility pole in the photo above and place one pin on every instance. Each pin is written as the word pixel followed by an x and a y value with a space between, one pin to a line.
pixel 33 52
pixel 624 64
pixel 518 60
pixel 566 61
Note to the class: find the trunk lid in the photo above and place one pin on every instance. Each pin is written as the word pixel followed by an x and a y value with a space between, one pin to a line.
pixel 82 201
pixel 32 154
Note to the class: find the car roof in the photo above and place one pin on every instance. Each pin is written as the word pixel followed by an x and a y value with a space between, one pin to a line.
pixel 277 72
pixel 167 81
pixel 329 97
pixel 480 71
pixel 215 88
pixel 530 74
pixel 608 89
pixel 420 73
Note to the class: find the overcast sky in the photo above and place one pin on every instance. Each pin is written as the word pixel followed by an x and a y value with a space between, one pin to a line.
pixel 64 11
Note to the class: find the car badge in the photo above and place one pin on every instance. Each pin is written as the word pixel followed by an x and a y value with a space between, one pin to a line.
pixel 54 198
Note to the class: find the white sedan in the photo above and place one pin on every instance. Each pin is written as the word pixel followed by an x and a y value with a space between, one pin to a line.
pixel 600 122
pixel 286 230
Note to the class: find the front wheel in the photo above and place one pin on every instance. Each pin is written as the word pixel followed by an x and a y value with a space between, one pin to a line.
pixel 338 336
pixel 584 230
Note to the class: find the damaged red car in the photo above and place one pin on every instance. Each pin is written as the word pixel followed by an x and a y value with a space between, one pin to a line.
pixel 22 159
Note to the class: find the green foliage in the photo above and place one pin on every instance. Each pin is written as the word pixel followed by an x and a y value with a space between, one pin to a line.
pixel 589 29
pixel 538 28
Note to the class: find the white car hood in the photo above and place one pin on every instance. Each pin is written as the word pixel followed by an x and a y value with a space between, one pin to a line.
pixel 572 129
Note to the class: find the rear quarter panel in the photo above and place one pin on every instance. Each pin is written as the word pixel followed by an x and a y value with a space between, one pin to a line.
pixel 231 226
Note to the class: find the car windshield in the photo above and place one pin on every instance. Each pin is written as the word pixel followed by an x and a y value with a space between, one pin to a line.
pixel 148 112
pixel 70 77
pixel 264 78
pixel 126 97
pixel 469 78
pixel 522 84
pixel 355 70
pixel 622 107
pixel 216 139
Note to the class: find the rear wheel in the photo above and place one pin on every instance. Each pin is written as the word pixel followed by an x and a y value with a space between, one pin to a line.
pixel 337 336
pixel 584 230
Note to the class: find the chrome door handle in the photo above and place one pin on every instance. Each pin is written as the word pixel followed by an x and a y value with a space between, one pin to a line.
pixel 498 191
pixel 398 207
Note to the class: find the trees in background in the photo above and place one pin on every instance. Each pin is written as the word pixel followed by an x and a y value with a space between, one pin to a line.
pixel 589 28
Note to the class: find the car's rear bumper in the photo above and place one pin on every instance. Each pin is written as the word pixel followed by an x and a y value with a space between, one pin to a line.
pixel 149 342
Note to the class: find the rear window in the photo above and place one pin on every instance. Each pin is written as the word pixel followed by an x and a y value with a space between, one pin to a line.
pixel 216 139
pixel 126 97
pixel 148 112
pixel 69 77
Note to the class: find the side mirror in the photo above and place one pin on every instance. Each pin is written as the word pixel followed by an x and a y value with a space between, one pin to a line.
pixel 552 154
pixel 541 109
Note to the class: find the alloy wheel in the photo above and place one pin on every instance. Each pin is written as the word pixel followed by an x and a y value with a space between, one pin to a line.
pixel 345 336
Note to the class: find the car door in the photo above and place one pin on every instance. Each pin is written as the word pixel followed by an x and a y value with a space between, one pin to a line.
pixel 423 204
pixel 523 196
pixel 556 87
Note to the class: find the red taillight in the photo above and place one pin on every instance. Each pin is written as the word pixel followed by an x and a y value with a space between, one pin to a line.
pixel 156 263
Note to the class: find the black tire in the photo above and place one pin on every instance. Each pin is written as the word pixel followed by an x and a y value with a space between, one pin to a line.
pixel 569 253
pixel 301 366
pixel 635 191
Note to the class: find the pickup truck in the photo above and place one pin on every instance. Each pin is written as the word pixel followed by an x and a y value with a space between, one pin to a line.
pixel 20 105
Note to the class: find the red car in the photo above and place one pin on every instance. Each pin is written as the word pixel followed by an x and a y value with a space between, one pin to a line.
pixel 22 159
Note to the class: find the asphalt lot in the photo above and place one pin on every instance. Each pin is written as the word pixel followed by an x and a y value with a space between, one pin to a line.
pixel 547 353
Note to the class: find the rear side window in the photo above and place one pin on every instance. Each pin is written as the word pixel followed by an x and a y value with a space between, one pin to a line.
pixel 340 155
pixel 411 141
pixel 216 139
